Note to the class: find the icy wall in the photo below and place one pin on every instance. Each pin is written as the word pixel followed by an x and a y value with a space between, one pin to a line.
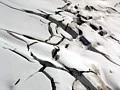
pixel 59 45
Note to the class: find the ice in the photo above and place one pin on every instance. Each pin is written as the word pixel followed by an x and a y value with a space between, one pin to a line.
pixel 59 45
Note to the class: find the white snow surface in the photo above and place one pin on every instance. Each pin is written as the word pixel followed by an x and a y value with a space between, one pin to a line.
pixel 41 44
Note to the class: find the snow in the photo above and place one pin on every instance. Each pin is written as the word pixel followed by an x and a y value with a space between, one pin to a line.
pixel 40 46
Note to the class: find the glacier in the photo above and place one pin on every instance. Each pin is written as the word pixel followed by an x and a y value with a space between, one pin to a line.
pixel 60 45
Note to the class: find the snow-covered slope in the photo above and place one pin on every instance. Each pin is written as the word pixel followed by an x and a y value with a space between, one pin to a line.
pixel 60 45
